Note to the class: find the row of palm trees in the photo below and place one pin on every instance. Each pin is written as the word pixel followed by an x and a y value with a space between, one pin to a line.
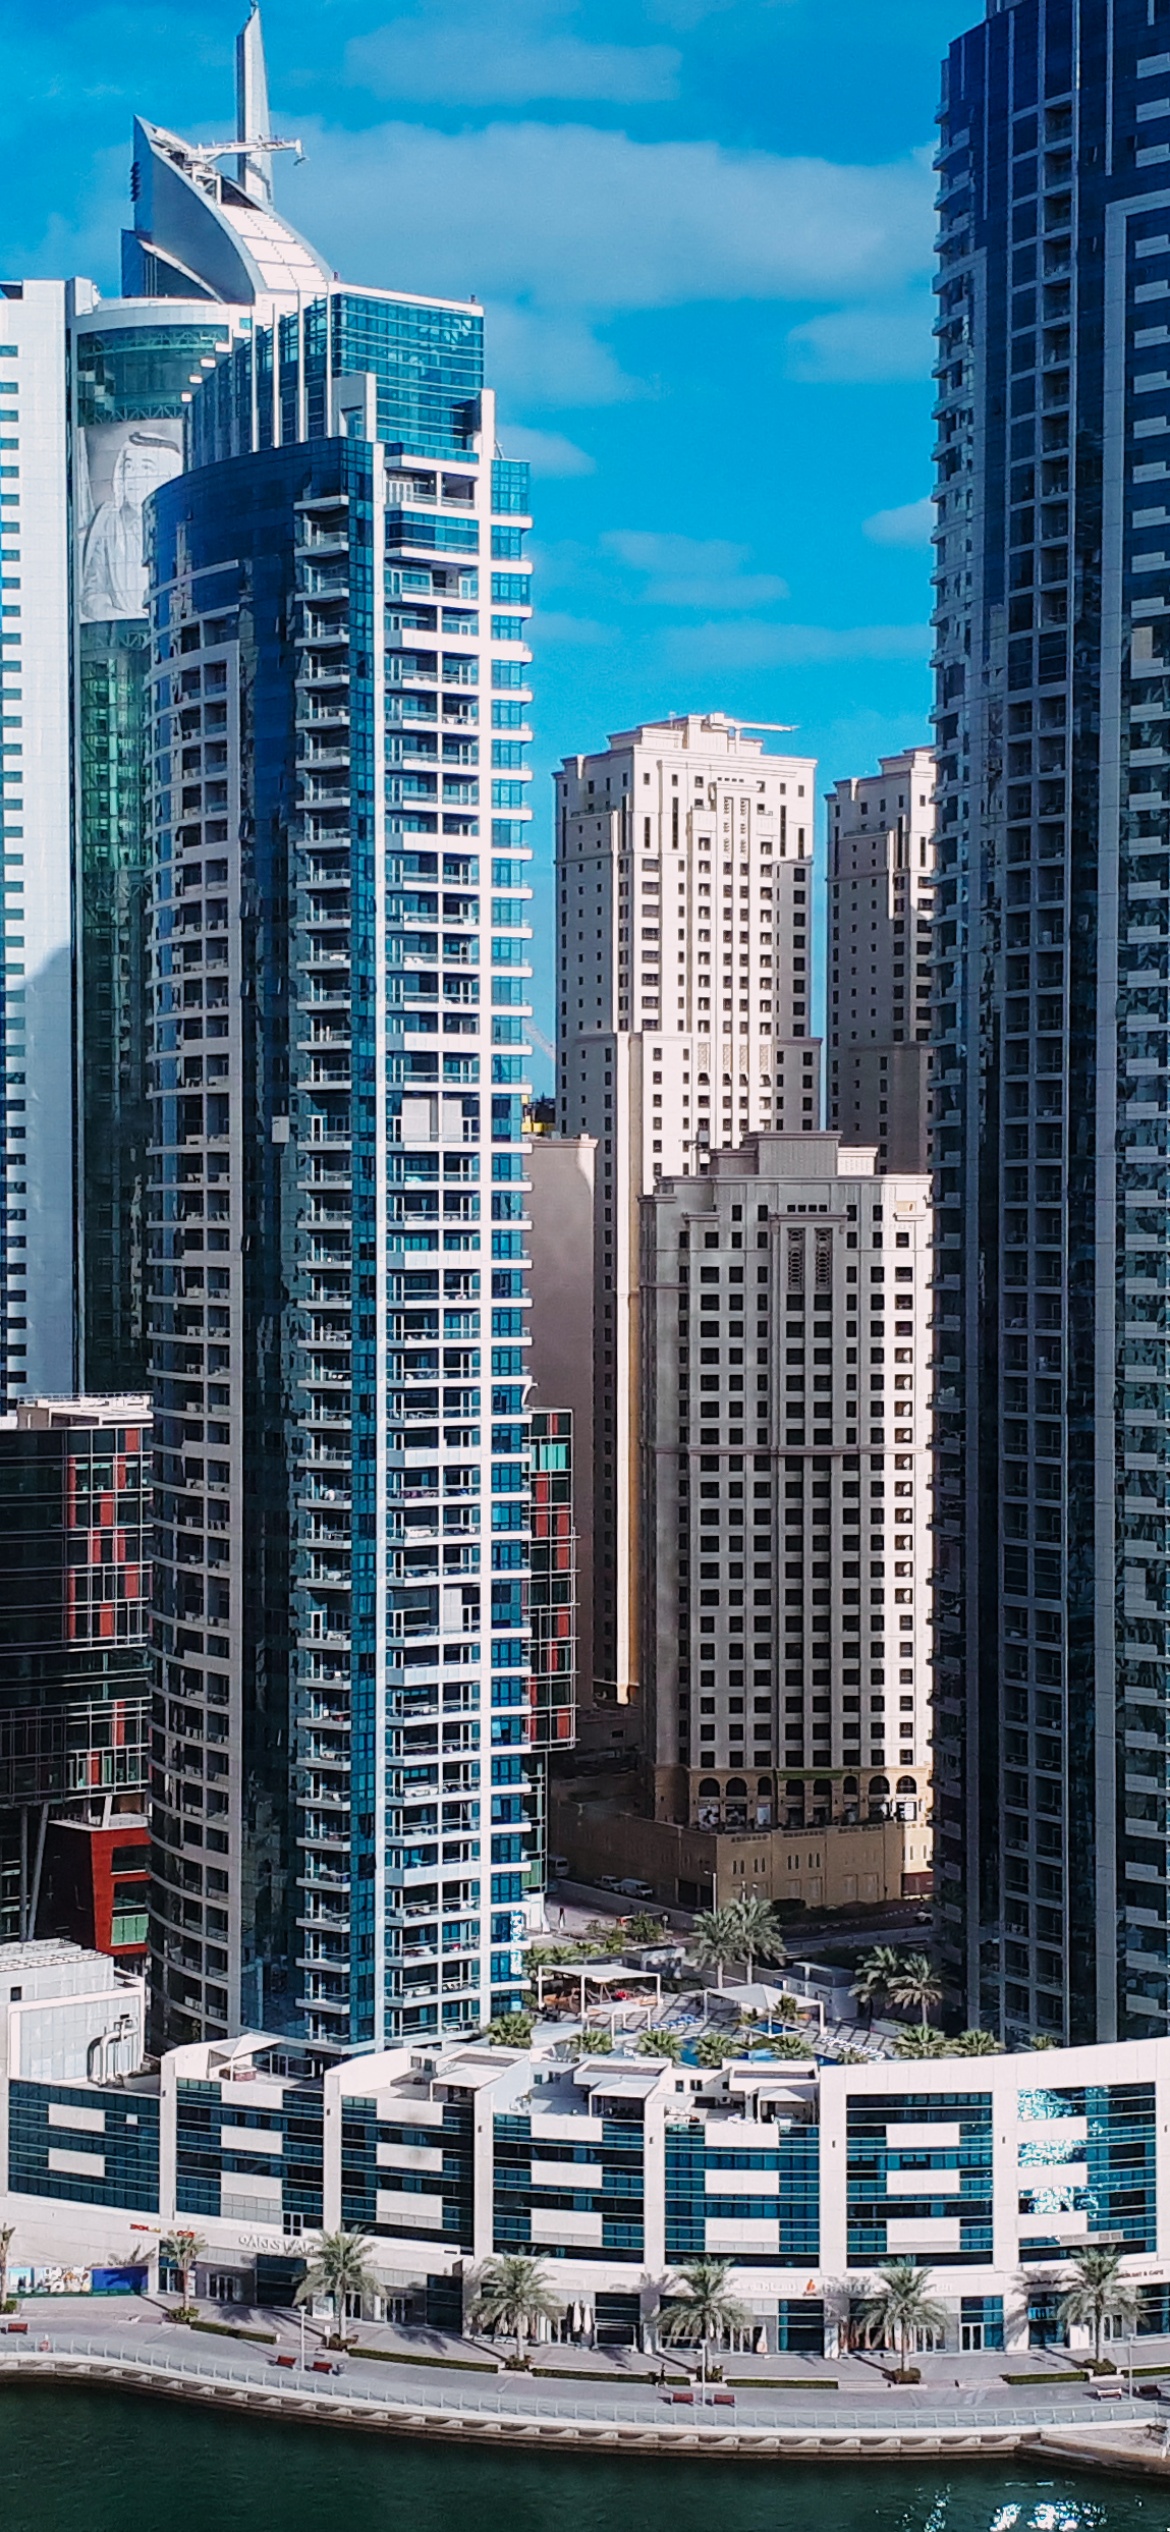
pixel 513 2294
pixel 700 2309
pixel 339 2269
pixel 910 1981
pixel 903 2312
pixel 906 1979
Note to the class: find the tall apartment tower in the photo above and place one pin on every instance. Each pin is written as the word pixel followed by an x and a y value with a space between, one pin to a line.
pixel 786 1313
pixel 1052 1090
pixel 684 884
pixel 92 397
pixel 881 872
pixel 204 232
pixel 340 985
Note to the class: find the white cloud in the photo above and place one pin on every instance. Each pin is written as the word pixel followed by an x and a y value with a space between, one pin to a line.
pixel 571 632
pixel 878 343
pixel 910 525
pixel 87 243
pixel 567 217
pixel 475 56
pixel 755 645
pixel 548 453
pixel 540 356
pixel 686 571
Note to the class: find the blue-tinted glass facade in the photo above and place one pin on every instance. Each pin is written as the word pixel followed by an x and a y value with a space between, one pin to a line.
pixel 277 2179
pixel 877 2152
pixel 789 2196
pixel 381 2154
pixel 1050 1083
pixel 425 361
pixel 345 1796
pixel 601 2181
pixel 66 2142
pixel 131 376
pixel 1104 2168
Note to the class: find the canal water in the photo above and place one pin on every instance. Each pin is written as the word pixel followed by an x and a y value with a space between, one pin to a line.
pixel 99 2462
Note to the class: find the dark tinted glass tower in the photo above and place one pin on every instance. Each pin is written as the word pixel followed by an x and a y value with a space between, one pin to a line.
pixel 1053 910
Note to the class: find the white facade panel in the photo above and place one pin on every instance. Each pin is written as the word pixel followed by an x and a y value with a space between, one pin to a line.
pixel 721 2184
pixel 566 2224
pixel 724 2234
pixel 567 2175
pixel 410 2158
pixel 88 2166
pixel 406 2206
pixel 924 2184
pixel 922 2233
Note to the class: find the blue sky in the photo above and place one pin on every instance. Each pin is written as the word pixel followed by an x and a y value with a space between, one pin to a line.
pixel 702 232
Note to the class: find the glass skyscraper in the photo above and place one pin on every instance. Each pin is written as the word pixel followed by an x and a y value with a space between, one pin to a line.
pixel 345 1798
pixel 131 371
pixel 1051 1080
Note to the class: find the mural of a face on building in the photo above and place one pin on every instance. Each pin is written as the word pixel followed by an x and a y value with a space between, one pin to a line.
pixel 118 464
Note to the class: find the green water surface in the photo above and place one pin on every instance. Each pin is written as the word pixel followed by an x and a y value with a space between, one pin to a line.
pixel 98 2462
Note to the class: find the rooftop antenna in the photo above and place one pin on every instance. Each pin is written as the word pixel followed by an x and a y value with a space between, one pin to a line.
pixel 254 143
pixel 254 164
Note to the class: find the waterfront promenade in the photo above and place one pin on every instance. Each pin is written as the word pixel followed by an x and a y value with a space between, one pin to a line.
pixel 855 2413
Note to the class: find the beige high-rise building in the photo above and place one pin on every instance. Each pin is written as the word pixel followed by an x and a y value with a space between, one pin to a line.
pixel 787 1461
pixel 881 873
pixel 684 884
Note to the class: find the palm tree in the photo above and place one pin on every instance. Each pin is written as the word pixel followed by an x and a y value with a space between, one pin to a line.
pixel 901 2307
pixel 874 1974
pixel 661 2044
pixel 7 2232
pixel 1043 2039
pixel 700 2306
pixel 339 2267
pixel 644 1928
pixel 787 2044
pixel 512 2293
pixel 596 2044
pixel 717 1939
pixel 916 1982
pixel 760 1933
pixel 976 2044
pixel 922 2042
pixel 711 2051
pixel 1099 2293
pixel 181 2250
pixel 510 2030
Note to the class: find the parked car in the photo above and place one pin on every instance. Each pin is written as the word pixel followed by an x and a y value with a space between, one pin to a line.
pixel 558 1867
pixel 632 1889
pixel 608 1881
